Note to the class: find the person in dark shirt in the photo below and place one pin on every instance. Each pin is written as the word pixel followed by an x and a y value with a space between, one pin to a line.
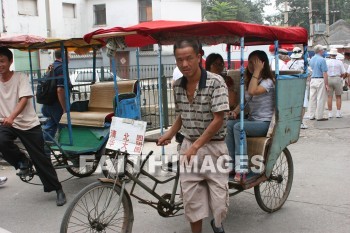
pixel 55 111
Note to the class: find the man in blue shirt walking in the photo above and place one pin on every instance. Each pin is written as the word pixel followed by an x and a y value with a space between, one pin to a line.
pixel 318 85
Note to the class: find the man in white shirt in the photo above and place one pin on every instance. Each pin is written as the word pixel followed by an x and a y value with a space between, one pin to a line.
pixel 336 72
pixel 297 63
pixel 19 120
pixel 283 58
pixel 346 63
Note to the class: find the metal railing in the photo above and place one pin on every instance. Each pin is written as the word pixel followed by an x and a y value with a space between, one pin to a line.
pixel 148 85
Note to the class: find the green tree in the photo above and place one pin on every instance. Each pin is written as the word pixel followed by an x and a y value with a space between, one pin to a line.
pixel 220 10
pixel 241 10
pixel 299 11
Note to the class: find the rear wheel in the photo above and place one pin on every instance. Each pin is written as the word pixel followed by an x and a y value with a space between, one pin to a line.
pixel 78 170
pixel 272 194
pixel 93 211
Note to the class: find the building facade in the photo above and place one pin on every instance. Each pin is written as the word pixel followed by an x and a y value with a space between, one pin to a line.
pixel 74 18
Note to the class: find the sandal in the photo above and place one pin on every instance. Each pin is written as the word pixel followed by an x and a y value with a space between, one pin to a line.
pixel 217 229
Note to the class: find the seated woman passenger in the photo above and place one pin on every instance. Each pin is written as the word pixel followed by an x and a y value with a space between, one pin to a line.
pixel 215 64
pixel 259 96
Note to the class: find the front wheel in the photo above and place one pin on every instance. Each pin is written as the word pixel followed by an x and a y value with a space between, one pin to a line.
pixel 94 210
pixel 272 194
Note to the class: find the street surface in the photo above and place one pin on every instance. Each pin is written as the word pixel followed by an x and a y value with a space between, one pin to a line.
pixel 319 200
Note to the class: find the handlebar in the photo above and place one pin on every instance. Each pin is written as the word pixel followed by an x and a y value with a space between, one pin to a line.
pixel 155 140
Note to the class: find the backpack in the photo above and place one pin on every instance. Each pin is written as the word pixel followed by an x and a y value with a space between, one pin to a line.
pixel 46 90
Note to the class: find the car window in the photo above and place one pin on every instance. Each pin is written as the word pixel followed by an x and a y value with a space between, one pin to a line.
pixel 84 77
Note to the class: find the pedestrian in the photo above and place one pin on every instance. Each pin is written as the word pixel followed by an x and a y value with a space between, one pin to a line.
pixel 348 73
pixel 318 85
pixel 19 120
pixel 283 58
pixel 259 96
pixel 201 100
pixel 336 73
pixel 3 180
pixel 297 63
pixel 55 111
pixel 346 63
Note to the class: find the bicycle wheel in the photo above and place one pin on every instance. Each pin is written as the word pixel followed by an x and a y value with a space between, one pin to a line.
pixel 272 194
pixel 90 167
pixel 90 210
pixel 82 171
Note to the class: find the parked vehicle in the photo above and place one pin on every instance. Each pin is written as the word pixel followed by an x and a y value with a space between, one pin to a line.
pixel 82 79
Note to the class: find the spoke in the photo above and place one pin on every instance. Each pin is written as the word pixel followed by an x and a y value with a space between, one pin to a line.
pixel 98 205
pixel 273 191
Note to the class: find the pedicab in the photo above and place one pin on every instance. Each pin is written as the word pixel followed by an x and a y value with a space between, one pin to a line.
pixel 106 206
pixel 79 143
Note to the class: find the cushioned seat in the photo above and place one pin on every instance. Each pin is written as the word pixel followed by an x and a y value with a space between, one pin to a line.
pixel 89 118
pixel 100 104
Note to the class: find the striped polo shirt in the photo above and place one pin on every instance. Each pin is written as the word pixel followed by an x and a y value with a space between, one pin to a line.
pixel 210 96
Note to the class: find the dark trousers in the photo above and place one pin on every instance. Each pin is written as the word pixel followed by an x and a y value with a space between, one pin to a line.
pixel 54 113
pixel 33 141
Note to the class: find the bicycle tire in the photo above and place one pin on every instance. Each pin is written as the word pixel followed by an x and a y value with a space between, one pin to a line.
pixel 87 170
pixel 82 172
pixel 273 193
pixel 90 201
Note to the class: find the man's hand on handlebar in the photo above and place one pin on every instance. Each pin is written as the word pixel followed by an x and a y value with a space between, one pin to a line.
pixel 163 140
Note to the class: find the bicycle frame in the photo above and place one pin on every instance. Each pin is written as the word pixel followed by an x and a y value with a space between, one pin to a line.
pixel 171 204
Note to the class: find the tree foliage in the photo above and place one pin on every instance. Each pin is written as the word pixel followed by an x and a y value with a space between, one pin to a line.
pixel 241 10
pixel 299 11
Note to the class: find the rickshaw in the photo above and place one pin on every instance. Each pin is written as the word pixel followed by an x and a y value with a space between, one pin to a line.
pixel 105 206
pixel 85 125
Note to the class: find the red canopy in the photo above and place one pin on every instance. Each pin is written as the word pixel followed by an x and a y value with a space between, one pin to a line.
pixel 214 32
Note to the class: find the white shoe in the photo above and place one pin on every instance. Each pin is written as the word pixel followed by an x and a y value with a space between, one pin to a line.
pixel 330 115
pixel 3 180
pixel 303 126
pixel 338 115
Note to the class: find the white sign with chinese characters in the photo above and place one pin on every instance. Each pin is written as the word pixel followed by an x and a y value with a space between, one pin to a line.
pixel 126 135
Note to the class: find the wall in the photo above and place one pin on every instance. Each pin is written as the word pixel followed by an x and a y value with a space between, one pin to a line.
pixel 181 10
pixel 23 24
pixel 67 27
pixel 118 13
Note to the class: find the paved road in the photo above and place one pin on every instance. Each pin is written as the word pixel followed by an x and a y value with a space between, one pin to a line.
pixel 319 201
